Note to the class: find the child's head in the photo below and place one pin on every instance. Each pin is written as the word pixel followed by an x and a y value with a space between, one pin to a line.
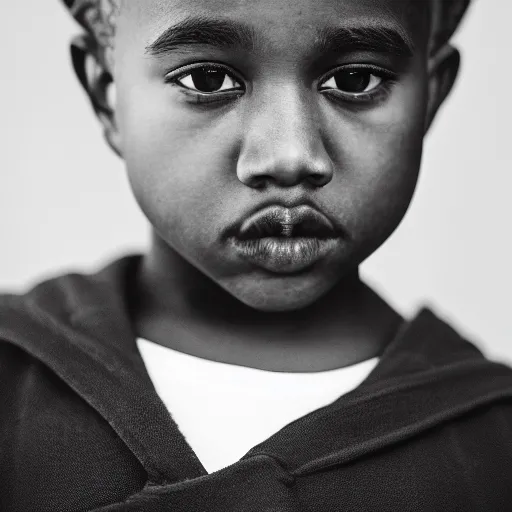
pixel 223 107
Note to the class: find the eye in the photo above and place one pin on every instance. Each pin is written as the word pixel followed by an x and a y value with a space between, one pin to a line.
pixel 353 81
pixel 208 80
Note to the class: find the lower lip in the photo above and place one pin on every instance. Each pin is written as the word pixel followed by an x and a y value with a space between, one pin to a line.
pixel 284 255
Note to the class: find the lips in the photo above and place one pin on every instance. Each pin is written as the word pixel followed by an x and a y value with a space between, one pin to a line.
pixel 280 221
pixel 285 240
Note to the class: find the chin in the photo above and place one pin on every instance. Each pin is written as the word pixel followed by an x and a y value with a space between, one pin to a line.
pixel 279 293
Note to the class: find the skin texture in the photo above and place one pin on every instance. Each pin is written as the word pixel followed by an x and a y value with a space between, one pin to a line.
pixel 99 17
pixel 196 168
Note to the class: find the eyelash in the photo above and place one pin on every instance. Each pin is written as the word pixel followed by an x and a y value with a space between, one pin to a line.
pixel 174 77
pixel 375 95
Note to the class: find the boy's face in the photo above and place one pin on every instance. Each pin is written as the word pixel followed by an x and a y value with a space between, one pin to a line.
pixel 255 103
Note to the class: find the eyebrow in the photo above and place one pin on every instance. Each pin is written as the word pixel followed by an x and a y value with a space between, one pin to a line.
pixel 379 39
pixel 226 34
pixel 203 31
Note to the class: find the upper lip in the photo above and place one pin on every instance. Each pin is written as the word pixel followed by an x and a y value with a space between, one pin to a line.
pixel 281 221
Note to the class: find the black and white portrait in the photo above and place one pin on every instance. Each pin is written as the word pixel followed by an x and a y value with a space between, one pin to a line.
pixel 255 256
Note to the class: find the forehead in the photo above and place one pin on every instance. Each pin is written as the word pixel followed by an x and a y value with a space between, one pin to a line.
pixel 280 20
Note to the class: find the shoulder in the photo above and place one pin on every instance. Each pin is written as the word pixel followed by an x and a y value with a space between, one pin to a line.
pixel 46 425
pixel 64 298
pixel 46 430
pixel 44 330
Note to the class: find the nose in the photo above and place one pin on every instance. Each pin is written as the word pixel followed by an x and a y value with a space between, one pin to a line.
pixel 282 142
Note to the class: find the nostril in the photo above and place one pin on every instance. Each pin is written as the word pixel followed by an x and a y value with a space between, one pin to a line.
pixel 318 179
pixel 259 181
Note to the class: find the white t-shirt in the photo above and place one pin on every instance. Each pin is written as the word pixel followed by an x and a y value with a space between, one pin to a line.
pixel 224 410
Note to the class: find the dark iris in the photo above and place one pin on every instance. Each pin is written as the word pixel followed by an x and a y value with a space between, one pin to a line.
pixel 352 81
pixel 208 80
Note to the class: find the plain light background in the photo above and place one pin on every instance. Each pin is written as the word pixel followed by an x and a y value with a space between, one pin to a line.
pixel 65 204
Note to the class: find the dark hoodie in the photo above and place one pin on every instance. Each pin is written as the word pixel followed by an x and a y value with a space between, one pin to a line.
pixel 82 428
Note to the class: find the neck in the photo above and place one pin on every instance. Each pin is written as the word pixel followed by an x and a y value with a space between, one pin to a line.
pixel 181 308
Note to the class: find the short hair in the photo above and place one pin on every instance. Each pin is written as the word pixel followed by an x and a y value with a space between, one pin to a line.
pixel 98 17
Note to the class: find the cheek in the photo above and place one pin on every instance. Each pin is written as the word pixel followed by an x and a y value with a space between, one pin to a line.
pixel 179 163
pixel 380 157
pixel 388 184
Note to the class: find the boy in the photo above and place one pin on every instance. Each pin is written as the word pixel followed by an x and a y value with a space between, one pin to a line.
pixel 241 364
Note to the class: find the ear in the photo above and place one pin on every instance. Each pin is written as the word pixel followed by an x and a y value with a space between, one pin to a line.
pixel 443 70
pixel 98 84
